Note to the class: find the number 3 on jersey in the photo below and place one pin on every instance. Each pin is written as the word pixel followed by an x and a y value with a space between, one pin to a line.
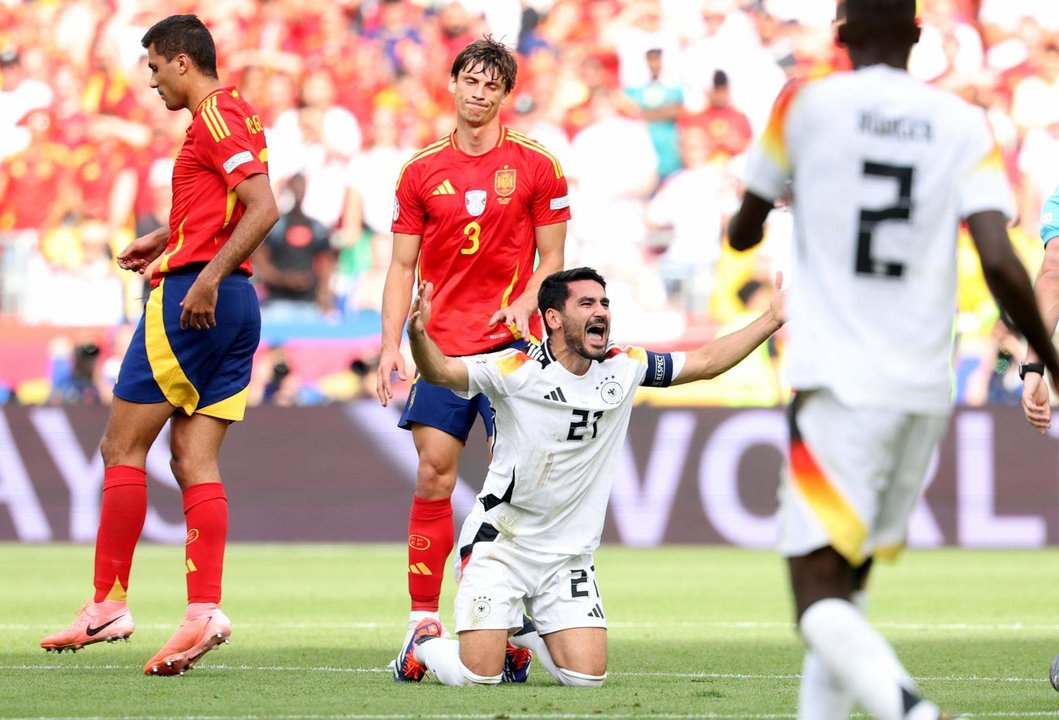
pixel 866 263
pixel 473 231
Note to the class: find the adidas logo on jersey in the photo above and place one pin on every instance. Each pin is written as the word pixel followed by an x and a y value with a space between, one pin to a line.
pixel 556 395
pixel 444 188
pixel 597 612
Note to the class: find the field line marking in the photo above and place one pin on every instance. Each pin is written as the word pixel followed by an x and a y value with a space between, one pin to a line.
pixel 516 716
pixel 371 670
pixel 728 625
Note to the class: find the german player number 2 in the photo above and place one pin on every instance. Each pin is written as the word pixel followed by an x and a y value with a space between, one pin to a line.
pixel 866 263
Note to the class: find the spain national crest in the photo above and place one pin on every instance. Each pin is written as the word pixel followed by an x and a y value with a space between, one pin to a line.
pixel 504 182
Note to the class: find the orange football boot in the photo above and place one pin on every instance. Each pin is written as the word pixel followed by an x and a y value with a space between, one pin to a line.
pixel 109 620
pixel 205 627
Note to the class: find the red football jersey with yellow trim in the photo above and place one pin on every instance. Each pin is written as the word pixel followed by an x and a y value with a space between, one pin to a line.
pixel 477 215
pixel 225 144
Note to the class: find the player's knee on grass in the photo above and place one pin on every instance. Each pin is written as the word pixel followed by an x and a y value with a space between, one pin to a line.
pixel 473 679
pixel 576 679
pixel 442 658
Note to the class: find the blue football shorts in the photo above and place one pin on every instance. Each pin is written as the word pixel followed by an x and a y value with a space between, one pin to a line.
pixel 196 371
pixel 443 409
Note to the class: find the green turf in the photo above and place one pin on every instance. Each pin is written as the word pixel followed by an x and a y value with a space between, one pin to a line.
pixel 694 632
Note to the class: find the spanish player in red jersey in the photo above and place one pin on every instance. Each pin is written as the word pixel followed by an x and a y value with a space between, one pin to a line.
pixel 471 213
pixel 189 361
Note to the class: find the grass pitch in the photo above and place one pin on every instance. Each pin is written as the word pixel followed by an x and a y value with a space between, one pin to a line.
pixel 695 632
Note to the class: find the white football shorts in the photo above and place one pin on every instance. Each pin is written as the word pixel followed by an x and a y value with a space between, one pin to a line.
pixel 853 476
pixel 499 579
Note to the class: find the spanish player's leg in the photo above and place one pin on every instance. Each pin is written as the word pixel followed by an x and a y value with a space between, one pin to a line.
pixel 131 429
pixel 196 443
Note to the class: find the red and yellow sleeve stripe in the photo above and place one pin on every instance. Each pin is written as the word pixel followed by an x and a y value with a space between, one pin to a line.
pixel 213 118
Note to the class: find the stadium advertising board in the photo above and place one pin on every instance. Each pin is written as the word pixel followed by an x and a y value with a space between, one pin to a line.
pixel 345 473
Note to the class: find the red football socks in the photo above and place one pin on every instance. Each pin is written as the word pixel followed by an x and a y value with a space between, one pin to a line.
pixel 206 514
pixel 430 540
pixel 123 510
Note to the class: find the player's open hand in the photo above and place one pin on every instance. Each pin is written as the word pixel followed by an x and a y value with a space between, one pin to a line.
pixel 141 252
pixel 419 315
pixel 778 304
pixel 199 306
pixel 390 362
pixel 1035 402
pixel 516 315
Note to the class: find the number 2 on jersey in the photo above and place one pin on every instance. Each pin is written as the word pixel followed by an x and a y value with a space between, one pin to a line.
pixel 473 231
pixel 866 263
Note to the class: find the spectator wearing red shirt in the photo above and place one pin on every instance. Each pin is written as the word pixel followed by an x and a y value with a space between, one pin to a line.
pixel 727 128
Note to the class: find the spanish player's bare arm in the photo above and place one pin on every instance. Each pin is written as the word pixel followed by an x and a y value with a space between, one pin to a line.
pixel 724 353
pixel 432 364
pixel 144 250
pixel 258 218
pixel 550 239
pixel 396 295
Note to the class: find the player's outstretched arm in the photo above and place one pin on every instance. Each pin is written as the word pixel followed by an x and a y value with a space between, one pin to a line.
pixel 435 367
pixel 747 226
pixel 1010 285
pixel 551 242
pixel 724 353
pixel 396 295
pixel 144 250
pixel 1035 396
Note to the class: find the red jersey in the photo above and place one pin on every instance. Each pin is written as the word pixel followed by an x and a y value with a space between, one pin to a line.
pixel 476 216
pixel 224 145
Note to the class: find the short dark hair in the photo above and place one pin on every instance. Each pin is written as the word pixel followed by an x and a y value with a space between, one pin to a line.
pixel 555 290
pixel 492 56
pixel 877 22
pixel 184 34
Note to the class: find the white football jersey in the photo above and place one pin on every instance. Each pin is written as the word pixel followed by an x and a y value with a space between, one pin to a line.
pixel 883 167
pixel 557 442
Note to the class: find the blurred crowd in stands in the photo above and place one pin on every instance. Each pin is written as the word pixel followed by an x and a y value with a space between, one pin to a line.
pixel 650 105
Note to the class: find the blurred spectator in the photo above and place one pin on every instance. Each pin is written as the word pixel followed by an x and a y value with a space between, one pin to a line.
pixel 34 195
pixel 366 293
pixel 71 280
pixel 636 29
pixel 948 43
pixel 315 140
pixel 19 95
pixel 660 105
pixel 294 265
pixel 727 128
pixel 371 178
pixel 273 381
pixel 731 43
pixel 613 169
pixel 995 379
pixel 74 377
pixel 695 228
pixel 1036 97
pixel 81 137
